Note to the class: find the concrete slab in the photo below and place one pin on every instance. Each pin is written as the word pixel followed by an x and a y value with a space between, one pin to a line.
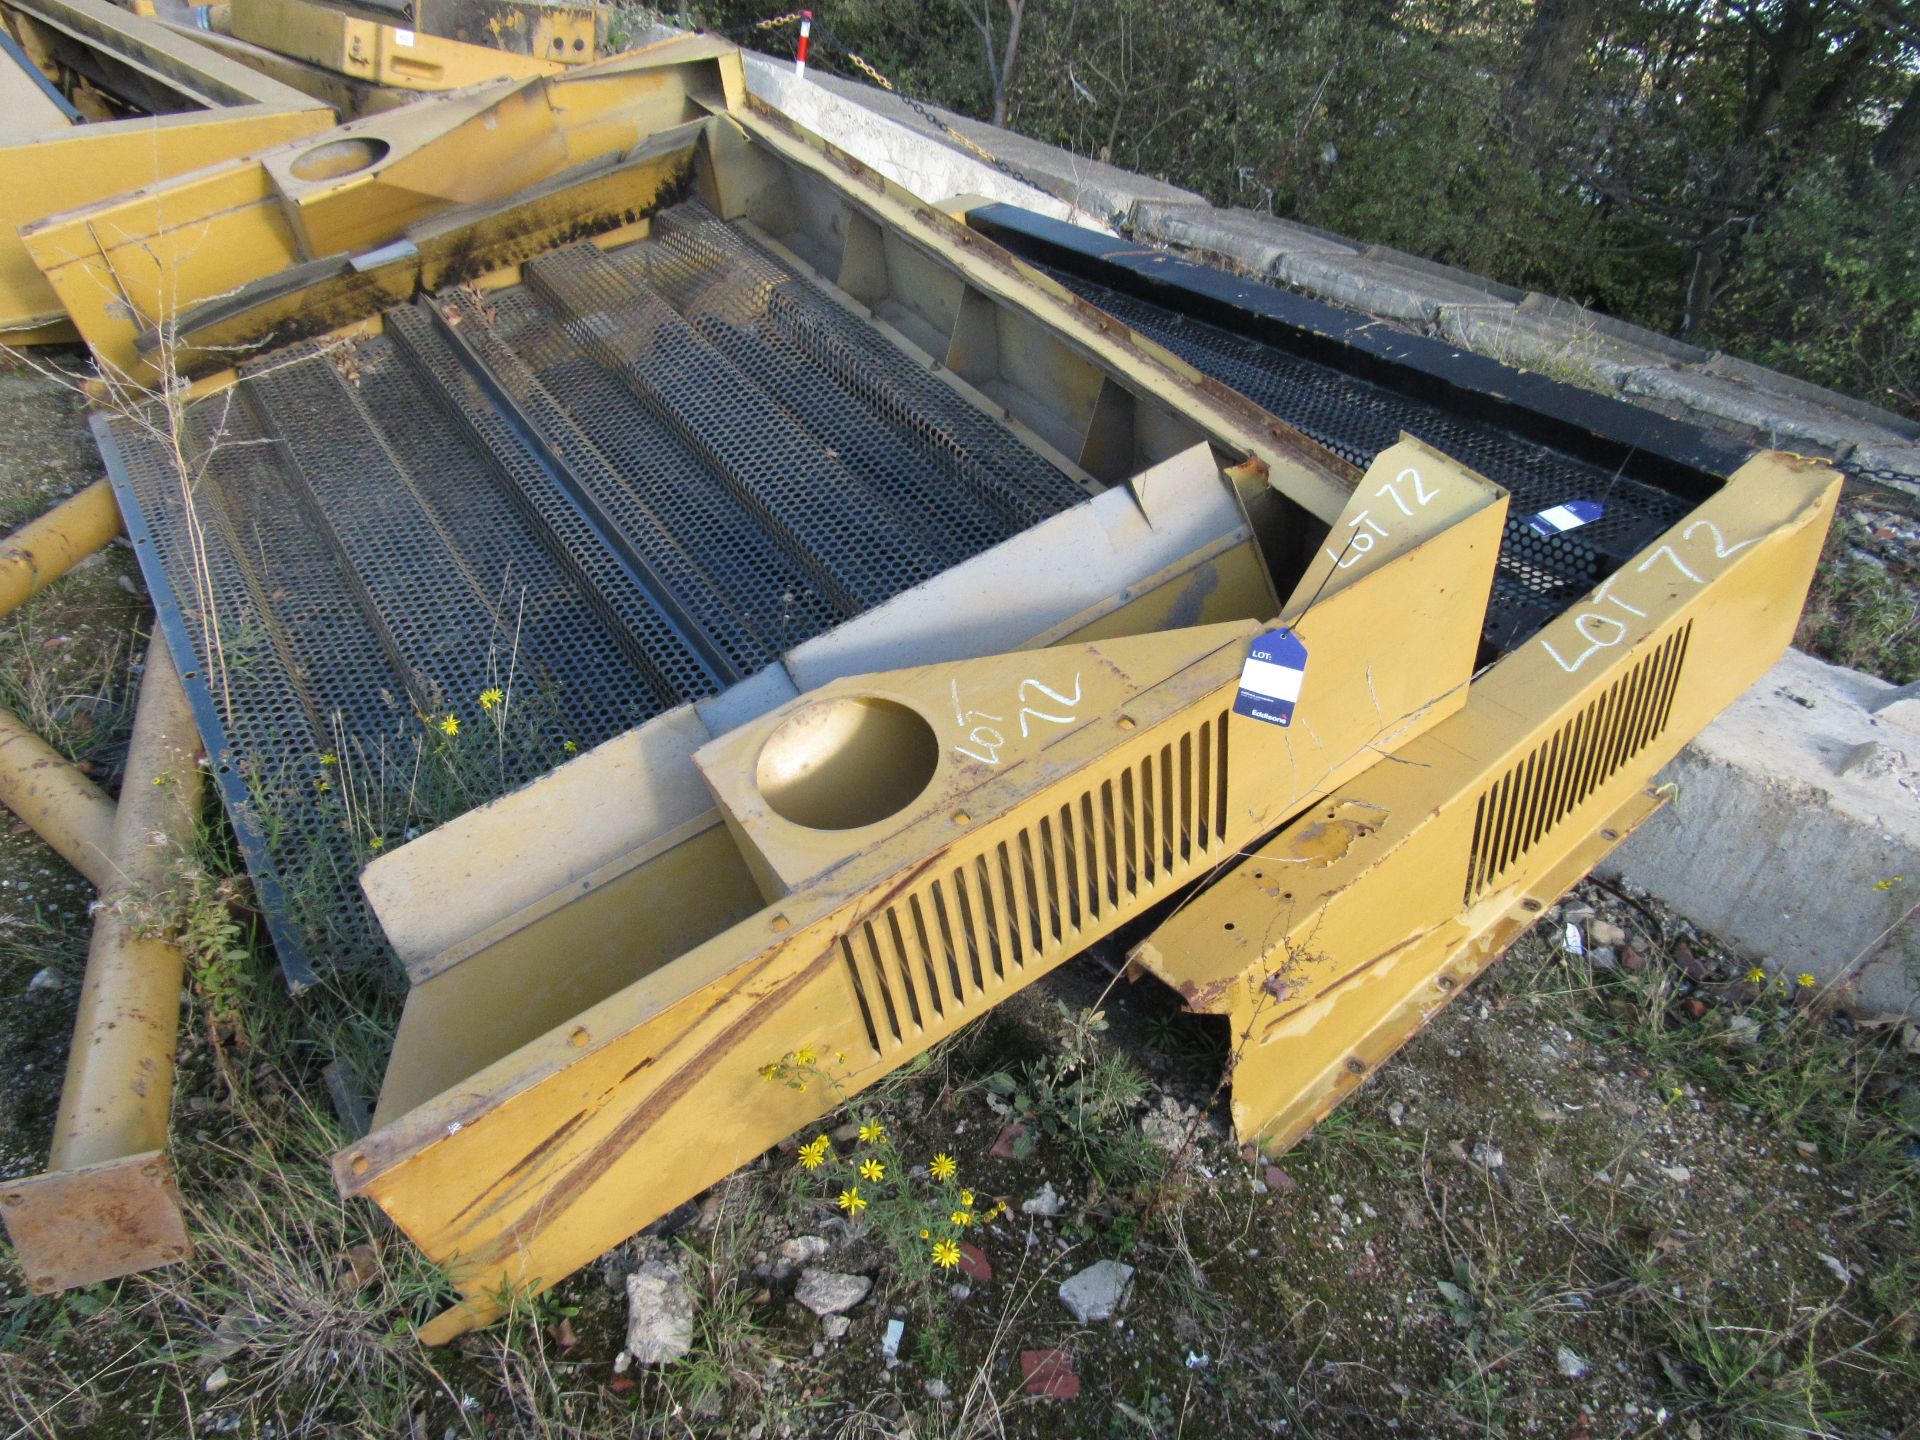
pixel 905 155
pixel 1675 350
pixel 1251 239
pixel 1794 834
pixel 1450 274
pixel 1555 346
pixel 1894 461
pixel 1371 287
pixel 1735 368
pixel 1788 423
pixel 1104 192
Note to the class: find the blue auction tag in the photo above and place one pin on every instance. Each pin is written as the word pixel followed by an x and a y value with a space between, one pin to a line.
pixel 1559 519
pixel 1270 680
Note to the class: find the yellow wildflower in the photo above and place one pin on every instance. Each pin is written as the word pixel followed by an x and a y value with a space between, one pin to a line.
pixel 1807 980
pixel 1885 885
pixel 962 1218
pixel 943 1167
pixel 378 842
pixel 1756 976
pixel 804 1055
pixel 449 724
pixel 813 1154
pixel 491 696
pixel 946 1254
pixel 966 1198
pixel 872 1170
pixel 852 1201
pixel 329 759
pixel 323 785
pixel 770 1071
pixel 569 746
pixel 925 1233
pixel 871 1131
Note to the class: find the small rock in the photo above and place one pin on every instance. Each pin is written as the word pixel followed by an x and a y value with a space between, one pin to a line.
pixel 48 979
pixel 1006 1143
pixel 959 1291
pixel 659 1313
pixel 622 1362
pixel 1679 1174
pixel 1571 1365
pixel 1691 964
pixel 1046 1204
pixel 1544 1112
pixel 1744 1029
pixel 125 582
pixel 1487 1156
pixel 1096 1292
pixel 974 1263
pixel 1605 932
pixel 890 1342
pixel 1337 1200
pixel 1632 961
pixel 1397 1112
pixel 1169 1126
pixel 1603 957
pixel 797 1254
pixel 1049 1374
pixel 829 1292
pixel 936 1389
pixel 1837 1266
pixel 835 1327
pixel 846 1134
pixel 1696 1009
pixel 1279 1181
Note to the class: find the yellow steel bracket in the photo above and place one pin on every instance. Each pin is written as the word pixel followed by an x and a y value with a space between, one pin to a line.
pixel 1332 943
pixel 380 52
pixel 49 167
pixel 929 840
pixel 303 238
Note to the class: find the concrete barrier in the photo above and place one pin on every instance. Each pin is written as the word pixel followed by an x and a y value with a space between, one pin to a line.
pixel 1794 833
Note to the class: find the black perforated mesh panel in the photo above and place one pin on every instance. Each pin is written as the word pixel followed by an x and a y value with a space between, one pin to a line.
pixel 615 489
pixel 1538 575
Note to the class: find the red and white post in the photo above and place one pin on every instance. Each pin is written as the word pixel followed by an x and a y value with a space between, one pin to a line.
pixel 806 34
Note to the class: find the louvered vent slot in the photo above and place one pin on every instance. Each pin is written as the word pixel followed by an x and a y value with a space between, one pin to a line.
pixel 998 914
pixel 1517 810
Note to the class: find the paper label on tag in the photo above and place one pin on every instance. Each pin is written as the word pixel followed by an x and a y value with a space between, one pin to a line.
pixel 1558 519
pixel 1271 677
pixel 403 37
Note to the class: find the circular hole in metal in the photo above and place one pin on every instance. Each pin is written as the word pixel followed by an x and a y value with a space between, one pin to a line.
pixel 340 157
pixel 847 762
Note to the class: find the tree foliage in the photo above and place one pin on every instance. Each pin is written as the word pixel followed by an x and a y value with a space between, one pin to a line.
pixel 1740 172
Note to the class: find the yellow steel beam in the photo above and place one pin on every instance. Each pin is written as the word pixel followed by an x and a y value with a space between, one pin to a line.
pixel 932 840
pixel 44 549
pixel 107 1205
pixel 378 52
pixel 1331 942
pixel 229 110
pixel 49 793
pixel 479 178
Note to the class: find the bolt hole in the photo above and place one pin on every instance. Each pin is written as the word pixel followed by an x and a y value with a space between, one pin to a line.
pixel 1532 907
pixel 1229 925
pixel 579 1038
pixel 359 1165
pixel 1357 1067
pixel 779 924
pixel 1125 722
pixel 1609 834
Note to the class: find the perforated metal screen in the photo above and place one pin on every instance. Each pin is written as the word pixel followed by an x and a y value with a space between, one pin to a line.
pixel 413 573
pixel 1537 576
